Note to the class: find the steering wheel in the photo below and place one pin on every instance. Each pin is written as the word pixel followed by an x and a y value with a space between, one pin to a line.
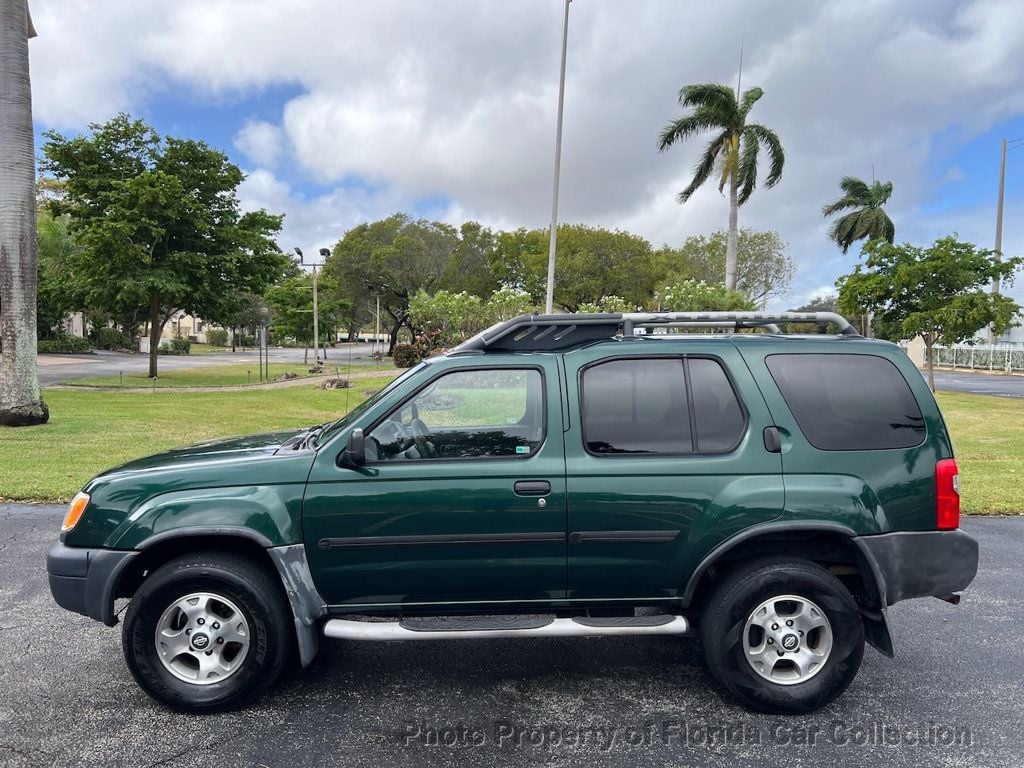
pixel 420 433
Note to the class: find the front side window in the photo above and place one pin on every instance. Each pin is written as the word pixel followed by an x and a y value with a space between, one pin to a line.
pixel 482 413
pixel 848 402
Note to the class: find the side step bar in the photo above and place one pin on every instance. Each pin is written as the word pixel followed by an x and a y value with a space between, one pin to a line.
pixel 503 627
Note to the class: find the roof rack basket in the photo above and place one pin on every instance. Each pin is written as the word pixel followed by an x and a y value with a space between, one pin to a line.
pixel 554 332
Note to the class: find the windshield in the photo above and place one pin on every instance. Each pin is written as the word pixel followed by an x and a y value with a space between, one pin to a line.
pixel 359 410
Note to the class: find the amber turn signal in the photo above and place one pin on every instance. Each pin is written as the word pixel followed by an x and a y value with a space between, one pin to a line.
pixel 74 513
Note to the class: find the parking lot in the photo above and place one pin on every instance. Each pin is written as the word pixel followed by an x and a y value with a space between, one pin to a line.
pixel 952 696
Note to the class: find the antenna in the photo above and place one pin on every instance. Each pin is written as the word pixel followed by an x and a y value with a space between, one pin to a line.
pixel 739 77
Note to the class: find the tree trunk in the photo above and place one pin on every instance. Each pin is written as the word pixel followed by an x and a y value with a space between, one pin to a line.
pixel 305 356
pixel 232 338
pixel 21 401
pixel 393 338
pixel 731 257
pixel 156 329
pixel 929 342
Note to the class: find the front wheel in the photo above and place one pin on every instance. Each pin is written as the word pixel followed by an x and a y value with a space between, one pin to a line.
pixel 782 636
pixel 207 632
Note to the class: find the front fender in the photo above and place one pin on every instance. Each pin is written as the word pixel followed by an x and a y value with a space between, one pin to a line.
pixel 269 514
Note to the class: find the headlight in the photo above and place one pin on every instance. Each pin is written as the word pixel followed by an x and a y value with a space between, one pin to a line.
pixel 74 513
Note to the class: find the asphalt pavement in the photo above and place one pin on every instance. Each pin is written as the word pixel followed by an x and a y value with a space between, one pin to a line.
pixel 953 695
pixel 1002 384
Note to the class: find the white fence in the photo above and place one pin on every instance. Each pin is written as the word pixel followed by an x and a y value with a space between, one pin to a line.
pixel 981 357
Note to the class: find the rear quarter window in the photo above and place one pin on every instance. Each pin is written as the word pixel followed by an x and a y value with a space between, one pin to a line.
pixel 848 402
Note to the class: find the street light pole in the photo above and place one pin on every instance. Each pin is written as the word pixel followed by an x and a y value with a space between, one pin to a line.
pixel 324 252
pixel 316 323
pixel 553 242
pixel 1007 144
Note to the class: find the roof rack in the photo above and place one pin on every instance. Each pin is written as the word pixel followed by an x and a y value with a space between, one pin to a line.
pixel 555 332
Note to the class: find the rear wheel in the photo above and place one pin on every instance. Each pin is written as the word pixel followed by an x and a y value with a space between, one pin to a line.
pixel 782 636
pixel 207 632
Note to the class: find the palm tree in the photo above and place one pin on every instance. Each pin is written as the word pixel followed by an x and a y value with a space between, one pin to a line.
pixel 20 398
pixel 868 221
pixel 733 149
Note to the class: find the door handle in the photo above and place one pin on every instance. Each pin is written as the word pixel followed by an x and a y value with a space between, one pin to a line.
pixel 532 487
pixel 772 440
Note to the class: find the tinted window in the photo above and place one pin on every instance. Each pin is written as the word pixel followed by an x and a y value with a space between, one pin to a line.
pixel 465 414
pixel 717 414
pixel 848 402
pixel 636 406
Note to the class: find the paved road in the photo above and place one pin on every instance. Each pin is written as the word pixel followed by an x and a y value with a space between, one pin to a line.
pixel 54 369
pixel 1003 384
pixel 66 698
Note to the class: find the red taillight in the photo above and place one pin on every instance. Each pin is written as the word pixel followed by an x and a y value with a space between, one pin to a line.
pixel 947 495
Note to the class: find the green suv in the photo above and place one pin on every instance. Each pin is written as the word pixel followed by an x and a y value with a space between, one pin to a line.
pixel 555 475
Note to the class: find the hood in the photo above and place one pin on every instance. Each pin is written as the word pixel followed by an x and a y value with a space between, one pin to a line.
pixel 221 449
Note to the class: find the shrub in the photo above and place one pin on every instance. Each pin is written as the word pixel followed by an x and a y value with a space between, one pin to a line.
pixel 64 345
pixel 406 355
pixel 110 339
pixel 174 347
pixel 218 337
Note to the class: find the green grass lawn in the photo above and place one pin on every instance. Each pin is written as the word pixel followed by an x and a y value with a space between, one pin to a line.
pixel 92 431
pixel 219 375
pixel 988 439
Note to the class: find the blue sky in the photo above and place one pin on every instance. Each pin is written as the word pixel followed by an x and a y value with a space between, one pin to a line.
pixel 342 112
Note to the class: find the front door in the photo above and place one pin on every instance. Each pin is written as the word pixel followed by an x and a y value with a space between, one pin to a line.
pixel 462 497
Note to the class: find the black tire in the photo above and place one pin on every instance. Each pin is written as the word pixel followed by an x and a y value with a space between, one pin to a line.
pixel 739 594
pixel 248 586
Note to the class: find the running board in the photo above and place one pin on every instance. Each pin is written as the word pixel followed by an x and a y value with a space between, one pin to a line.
pixel 471 627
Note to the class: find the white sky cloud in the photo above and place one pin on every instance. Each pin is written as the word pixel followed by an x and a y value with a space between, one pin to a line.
pixel 455 100
pixel 261 142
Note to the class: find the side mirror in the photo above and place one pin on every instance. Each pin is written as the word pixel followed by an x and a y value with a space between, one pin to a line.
pixel 354 455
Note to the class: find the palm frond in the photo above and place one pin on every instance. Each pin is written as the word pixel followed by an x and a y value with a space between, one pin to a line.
pixel 704 166
pixel 856 188
pixel 776 154
pixel 715 96
pixel 880 193
pixel 750 97
pixel 842 230
pixel 747 176
pixel 683 128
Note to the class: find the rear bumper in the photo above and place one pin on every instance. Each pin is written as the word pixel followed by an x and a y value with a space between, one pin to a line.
pixel 85 580
pixel 920 563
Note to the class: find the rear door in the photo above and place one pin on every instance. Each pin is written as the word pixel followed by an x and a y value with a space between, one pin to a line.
pixel 665 458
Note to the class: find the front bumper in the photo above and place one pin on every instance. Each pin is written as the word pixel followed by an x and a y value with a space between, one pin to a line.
pixel 85 580
pixel 910 564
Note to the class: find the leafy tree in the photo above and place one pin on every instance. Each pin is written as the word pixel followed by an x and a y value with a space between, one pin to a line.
pixel 454 316
pixel 868 220
pixel 764 269
pixel 393 259
pixel 591 262
pixel 608 304
pixel 290 305
pixel 698 296
pixel 938 292
pixel 506 303
pixel 21 400
pixel 55 247
pixel 471 267
pixel 732 152
pixel 159 224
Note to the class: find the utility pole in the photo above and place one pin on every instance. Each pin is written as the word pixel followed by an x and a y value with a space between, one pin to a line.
pixel 553 243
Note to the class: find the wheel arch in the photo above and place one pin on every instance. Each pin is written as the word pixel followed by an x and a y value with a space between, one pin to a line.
pixel 287 563
pixel 834 546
